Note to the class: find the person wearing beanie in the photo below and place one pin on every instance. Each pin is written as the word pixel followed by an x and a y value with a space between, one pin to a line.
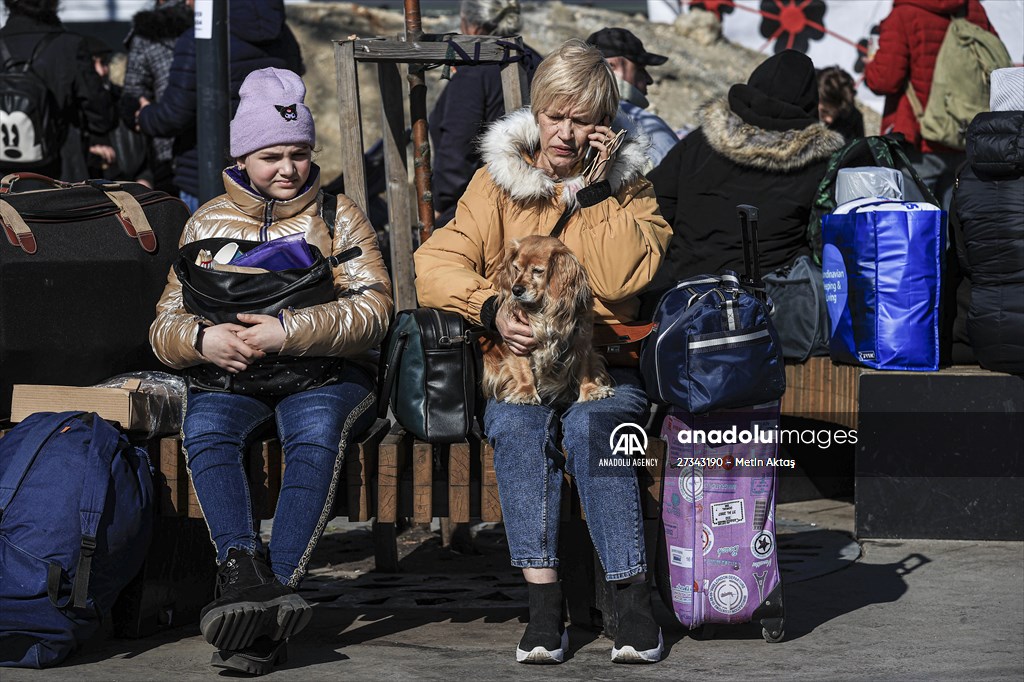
pixel 763 145
pixel 273 191
pixel 987 221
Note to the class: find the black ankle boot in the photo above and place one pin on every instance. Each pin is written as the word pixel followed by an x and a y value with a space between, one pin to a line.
pixel 251 603
pixel 638 639
pixel 259 658
pixel 545 639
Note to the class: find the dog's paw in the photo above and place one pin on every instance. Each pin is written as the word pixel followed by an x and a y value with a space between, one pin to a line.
pixel 595 392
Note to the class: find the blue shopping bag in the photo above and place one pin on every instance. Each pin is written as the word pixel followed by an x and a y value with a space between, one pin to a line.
pixel 882 266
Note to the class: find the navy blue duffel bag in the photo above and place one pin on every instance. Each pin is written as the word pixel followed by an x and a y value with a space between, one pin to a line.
pixel 75 523
pixel 713 347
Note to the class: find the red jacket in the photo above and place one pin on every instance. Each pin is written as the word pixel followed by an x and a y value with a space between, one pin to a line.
pixel 908 45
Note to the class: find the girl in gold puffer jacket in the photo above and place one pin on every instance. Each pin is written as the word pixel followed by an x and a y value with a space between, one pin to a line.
pixel 274 191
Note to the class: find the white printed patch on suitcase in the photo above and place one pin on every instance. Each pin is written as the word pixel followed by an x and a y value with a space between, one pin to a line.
pixel 728 594
pixel 762 545
pixel 727 513
pixel 681 556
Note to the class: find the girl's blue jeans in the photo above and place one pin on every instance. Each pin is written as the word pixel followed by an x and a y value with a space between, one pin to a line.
pixel 528 464
pixel 315 428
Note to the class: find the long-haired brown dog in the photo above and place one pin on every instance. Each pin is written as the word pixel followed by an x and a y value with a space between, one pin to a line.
pixel 541 281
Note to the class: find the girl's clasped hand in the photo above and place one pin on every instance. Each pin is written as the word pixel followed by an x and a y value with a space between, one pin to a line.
pixel 233 347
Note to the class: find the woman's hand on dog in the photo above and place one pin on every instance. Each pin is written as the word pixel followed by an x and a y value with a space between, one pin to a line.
pixel 223 347
pixel 517 333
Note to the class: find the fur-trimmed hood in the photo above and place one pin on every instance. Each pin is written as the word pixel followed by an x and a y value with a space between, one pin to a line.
pixel 771 150
pixel 164 23
pixel 509 143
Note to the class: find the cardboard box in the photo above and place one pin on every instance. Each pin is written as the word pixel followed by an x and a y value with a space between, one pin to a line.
pixel 132 408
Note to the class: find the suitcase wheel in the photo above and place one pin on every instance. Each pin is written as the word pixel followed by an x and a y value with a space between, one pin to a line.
pixel 774 636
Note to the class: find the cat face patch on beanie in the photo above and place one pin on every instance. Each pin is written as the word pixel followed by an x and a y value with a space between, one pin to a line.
pixel 288 113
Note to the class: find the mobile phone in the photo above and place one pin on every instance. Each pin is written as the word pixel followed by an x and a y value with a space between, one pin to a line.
pixel 590 155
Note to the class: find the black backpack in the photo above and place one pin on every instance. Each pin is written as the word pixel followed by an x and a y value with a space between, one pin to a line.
pixel 29 133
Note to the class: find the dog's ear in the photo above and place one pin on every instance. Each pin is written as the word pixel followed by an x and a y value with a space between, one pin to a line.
pixel 568 292
pixel 503 278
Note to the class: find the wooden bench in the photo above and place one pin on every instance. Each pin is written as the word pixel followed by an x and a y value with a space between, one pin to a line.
pixel 390 476
pixel 819 389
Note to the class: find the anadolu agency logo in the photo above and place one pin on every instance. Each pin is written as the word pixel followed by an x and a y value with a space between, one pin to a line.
pixel 628 445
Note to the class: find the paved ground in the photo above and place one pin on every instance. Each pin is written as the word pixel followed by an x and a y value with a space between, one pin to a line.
pixel 907 610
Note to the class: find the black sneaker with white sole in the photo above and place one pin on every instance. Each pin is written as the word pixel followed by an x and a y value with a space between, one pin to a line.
pixel 251 603
pixel 638 639
pixel 545 639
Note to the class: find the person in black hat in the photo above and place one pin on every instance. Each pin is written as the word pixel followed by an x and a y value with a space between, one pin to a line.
pixel 763 145
pixel 625 53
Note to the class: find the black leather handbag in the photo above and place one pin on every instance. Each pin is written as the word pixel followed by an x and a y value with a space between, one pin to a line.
pixel 219 296
pixel 431 375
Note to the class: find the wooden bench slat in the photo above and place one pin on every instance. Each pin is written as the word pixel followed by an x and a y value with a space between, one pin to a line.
pixel 390 454
pixel 360 467
pixel 422 482
pixel 490 502
pixel 174 496
pixel 458 482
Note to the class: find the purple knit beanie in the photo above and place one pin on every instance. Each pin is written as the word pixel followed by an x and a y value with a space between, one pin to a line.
pixel 271 112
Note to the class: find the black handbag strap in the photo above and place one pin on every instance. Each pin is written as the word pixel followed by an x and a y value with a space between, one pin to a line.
pixel 329 212
pixel 562 220
pixel 387 374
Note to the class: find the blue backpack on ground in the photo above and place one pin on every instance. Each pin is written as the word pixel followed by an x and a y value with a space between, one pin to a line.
pixel 714 346
pixel 75 525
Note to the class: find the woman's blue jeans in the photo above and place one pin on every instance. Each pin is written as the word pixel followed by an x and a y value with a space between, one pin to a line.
pixel 315 428
pixel 528 463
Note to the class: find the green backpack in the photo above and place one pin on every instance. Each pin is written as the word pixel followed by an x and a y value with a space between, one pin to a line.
pixel 960 83
pixel 862 151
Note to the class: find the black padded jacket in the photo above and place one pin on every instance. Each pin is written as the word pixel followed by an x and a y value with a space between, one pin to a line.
pixel 988 215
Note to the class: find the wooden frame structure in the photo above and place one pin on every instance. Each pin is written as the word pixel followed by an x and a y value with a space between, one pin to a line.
pixel 388 55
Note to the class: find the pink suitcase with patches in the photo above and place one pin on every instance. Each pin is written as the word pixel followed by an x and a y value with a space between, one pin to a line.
pixel 717 563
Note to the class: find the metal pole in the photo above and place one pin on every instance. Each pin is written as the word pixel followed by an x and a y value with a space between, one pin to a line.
pixel 418 116
pixel 212 95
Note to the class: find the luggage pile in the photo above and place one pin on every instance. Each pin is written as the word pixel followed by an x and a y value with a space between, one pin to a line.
pixel 716 359
pixel 80 277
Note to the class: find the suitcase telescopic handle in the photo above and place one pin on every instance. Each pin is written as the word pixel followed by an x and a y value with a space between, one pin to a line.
pixel 751 257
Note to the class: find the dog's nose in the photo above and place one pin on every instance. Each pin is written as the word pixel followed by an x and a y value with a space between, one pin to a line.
pixel 518 290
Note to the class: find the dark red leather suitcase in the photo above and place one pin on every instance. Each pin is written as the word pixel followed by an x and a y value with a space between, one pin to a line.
pixel 81 270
